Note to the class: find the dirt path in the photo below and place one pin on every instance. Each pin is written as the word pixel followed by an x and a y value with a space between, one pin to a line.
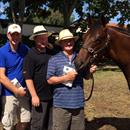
pixel 109 106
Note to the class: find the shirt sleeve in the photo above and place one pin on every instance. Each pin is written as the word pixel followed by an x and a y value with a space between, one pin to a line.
pixel 28 67
pixel 51 68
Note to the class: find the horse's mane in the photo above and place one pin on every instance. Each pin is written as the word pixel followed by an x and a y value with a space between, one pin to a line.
pixel 121 28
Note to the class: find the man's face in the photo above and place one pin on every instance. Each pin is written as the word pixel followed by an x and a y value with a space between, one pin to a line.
pixel 41 40
pixel 15 37
pixel 67 45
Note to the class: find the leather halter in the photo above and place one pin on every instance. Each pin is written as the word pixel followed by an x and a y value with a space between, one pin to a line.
pixel 95 53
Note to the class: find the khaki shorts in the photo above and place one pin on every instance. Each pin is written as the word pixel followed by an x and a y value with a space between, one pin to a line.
pixel 15 108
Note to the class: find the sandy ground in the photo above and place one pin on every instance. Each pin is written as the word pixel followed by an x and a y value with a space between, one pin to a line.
pixel 109 106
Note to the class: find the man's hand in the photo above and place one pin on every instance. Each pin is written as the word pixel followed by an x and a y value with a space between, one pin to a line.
pixel 93 68
pixel 70 76
pixel 35 101
pixel 20 92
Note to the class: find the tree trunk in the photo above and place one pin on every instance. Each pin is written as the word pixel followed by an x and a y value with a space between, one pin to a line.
pixel 21 11
pixel 67 11
pixel 12 2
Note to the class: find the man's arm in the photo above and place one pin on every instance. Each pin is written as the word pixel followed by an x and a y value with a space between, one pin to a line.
pixel 70 76
pixel 7 83
pixel 28 72
pixel 32 91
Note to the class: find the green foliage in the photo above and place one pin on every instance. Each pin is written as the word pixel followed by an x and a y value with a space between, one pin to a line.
pixel 2 40
pixel 124 8
pixel 66 7
pixel 60 11
pixel 56 18
pixel 110 9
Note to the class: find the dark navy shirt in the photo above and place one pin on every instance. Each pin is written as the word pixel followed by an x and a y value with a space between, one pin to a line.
pixel 13 63
pixel 64 96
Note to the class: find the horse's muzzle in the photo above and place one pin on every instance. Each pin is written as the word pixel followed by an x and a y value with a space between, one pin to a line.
pixel 77 65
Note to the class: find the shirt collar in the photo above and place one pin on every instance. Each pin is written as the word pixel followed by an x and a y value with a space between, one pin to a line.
pixel 34 49
pixel 9 47
pixel 73 55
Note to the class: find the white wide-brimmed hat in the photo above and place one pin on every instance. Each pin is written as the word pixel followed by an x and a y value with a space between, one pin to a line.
pixel 14 28
pixel 66 34
pixel 38 30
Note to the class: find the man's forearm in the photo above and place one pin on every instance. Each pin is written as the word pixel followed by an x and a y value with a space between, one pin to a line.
pixel 57 80
pixel 7 83
pixel 31 88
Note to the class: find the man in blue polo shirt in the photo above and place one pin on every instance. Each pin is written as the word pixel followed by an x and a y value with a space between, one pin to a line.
pixel 68 96
pixel 15 103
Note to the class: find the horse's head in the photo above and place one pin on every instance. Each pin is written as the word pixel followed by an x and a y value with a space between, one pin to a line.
pixel 94 43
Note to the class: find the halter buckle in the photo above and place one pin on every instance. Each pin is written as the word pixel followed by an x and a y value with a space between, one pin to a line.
pixel 91 50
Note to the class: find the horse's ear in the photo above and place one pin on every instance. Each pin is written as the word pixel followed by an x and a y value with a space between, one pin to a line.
pixel 103 20
pixel 89 19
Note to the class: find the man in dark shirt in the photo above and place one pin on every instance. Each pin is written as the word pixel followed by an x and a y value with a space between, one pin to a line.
pixel 34 71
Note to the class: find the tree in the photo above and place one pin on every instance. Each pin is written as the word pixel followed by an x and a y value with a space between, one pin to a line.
pixel 56 18
pixel 66 7
pixel 15 11
pixel 41 9
pixel 110 9
pixel 32 12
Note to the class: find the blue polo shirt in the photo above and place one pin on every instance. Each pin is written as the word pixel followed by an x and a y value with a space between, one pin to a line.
pixel 13 63
pixel 64 96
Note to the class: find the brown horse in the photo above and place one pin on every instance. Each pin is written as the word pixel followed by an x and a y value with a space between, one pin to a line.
pixel 103 39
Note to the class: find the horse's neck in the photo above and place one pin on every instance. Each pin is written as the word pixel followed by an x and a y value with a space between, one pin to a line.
pixel 119 47
pixel 119 51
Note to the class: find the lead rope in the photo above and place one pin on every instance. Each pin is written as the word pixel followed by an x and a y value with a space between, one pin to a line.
pixel 92 87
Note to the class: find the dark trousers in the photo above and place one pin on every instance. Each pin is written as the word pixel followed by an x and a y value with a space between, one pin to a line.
pixel 42 116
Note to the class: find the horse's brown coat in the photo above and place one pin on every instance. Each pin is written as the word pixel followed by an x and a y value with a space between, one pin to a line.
pixel 115 41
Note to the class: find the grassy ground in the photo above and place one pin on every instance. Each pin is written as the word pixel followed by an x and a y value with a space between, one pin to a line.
pixel 109 106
